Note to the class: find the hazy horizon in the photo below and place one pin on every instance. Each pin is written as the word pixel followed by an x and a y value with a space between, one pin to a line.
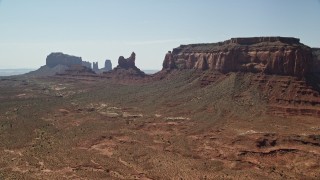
pixel 99 30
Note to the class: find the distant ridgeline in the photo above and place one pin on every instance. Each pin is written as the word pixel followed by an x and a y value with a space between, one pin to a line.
pixel 12 72
pixel 270 55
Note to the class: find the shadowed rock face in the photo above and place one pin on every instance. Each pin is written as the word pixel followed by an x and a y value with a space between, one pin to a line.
pixel 316 60
pixel 55 59
pixel 271 55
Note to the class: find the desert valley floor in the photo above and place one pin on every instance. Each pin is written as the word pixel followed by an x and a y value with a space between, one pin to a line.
pixel 173 128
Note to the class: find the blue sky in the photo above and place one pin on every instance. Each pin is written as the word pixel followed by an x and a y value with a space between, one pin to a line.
pixel 105 29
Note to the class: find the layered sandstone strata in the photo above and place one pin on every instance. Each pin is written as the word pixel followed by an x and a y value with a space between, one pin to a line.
pixel 270 55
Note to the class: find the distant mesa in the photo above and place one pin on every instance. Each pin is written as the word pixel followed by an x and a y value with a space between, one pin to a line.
pixel 59 58
pixel 75 66
pixel 269 55
pixel 55 59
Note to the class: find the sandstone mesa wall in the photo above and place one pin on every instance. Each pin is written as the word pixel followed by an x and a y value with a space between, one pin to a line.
pixel 271 55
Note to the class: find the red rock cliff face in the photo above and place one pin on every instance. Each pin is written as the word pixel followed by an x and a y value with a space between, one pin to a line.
pixel 271 55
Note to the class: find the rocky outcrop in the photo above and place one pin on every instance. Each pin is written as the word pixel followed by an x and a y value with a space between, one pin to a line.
pixel 127 63
pixel 126 68
pixel 55 59
pixel 95 67
pixel 270 55
pixel 107 65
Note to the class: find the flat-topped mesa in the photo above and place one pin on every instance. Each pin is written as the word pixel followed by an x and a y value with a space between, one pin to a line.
pixel 55 59
pixel 270 55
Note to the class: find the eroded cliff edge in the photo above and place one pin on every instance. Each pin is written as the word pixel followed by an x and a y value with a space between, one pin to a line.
pixel 270 55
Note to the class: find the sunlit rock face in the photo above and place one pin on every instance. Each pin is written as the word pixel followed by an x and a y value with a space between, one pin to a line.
pixel 270 55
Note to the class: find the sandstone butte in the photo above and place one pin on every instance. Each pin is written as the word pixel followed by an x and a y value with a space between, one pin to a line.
pixel 127 66
pixel 269 55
